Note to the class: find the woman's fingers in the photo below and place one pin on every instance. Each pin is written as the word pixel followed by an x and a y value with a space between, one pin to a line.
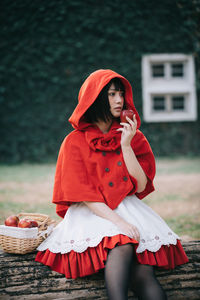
pixel 137 234
pixel 134 233
pixel 126 125
pixel 130 230
pixel 133 122
pixel 124 129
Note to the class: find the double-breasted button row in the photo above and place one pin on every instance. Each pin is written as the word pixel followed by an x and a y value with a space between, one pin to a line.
pixel 119 163
pixel 125 178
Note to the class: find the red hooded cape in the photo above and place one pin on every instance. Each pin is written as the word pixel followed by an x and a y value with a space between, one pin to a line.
pixel 90 164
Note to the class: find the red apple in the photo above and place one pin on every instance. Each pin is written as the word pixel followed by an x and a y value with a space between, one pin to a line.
pixel 24 223
pixel 34 223
pixel 12 221
pixel 126 113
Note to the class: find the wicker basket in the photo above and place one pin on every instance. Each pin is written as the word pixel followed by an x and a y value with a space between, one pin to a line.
pixel 25 240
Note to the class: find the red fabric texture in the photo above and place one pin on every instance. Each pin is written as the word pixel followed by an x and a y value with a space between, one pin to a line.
pixel 86 153
pixel 74 264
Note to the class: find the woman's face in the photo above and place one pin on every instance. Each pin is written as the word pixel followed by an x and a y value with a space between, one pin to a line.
pixel 116 101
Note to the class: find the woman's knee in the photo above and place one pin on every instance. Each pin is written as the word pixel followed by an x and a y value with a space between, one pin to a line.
pixel 125 249
pixel 122 249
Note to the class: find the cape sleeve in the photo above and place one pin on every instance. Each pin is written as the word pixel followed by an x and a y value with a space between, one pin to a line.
pixel 72 182
pixel 146 159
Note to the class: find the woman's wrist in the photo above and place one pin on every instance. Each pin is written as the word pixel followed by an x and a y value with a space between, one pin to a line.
pixel 104 211
pixel 126 147
pixel 120 222
pixel 117 220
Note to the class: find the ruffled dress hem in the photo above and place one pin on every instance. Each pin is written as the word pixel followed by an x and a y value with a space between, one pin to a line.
pixel 74 264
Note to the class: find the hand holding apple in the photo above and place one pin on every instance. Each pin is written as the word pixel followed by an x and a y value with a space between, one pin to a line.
pixel 126 113
pixel 129 127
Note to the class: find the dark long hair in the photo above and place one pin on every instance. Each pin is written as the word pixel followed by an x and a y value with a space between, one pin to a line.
pixel 100 109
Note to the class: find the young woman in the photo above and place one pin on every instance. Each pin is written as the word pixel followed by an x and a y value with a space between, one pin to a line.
pixel 104 168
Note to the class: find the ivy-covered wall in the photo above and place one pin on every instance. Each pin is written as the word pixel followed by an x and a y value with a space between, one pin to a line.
pixel 49 47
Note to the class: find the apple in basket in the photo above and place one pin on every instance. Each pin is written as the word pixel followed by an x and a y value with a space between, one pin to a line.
pixel 126 113
pixel 24 223
pixel 27 223
pixel 12 221
pixel 34 223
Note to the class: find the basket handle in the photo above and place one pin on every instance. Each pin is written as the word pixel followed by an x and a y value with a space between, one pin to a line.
pixel 31 215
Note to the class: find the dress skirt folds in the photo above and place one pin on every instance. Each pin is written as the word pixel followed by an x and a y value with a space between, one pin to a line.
pixel 79 244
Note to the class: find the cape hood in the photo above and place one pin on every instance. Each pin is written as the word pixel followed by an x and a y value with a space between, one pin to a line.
pixel 89 92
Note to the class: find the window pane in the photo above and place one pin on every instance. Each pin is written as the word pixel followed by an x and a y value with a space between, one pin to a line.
pixel 158 70
pixel 177 70
pixel 178 103
pixel 158 103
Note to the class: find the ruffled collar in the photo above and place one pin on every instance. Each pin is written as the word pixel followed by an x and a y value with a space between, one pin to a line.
pixel 97 140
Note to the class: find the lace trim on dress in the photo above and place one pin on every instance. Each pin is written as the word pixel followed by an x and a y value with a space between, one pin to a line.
pixel 152 244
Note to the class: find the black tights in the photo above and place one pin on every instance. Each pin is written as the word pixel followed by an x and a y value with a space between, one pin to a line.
pixel 122 271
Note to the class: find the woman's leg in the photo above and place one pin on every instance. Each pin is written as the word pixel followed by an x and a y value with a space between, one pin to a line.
pixel 118 272
pixel 145 283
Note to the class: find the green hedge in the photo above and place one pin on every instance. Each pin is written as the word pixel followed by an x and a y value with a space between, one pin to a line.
pixel 49 47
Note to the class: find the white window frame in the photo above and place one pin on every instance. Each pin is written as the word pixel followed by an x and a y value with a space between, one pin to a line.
pixel 169 86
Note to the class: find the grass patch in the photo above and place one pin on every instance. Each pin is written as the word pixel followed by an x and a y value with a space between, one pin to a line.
pixel 186 225
pixel 157 198
pixel 26 172
pixel 178 166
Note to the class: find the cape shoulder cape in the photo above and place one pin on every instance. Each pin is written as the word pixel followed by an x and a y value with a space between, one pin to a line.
pixel 88 164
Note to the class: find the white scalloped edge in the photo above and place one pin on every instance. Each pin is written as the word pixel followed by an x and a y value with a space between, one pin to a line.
pixel 80 246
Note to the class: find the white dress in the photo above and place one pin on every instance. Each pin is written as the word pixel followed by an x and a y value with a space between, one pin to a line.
pixel 81 228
